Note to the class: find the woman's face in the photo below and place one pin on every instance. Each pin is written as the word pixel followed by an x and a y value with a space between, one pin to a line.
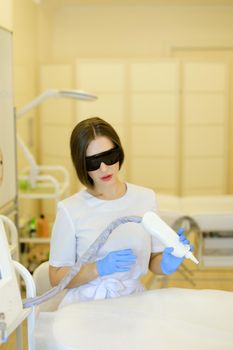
pixel 105 174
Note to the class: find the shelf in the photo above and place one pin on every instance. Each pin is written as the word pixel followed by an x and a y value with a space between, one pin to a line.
pixel 218 252
pixel 49 183
pixel 46 186
pixel 38 195
pixel 35 240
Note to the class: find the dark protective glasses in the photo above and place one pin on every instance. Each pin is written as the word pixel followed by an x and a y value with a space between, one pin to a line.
pixel 108 157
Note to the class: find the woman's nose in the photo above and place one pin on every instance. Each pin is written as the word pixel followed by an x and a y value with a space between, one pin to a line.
pixel 103 167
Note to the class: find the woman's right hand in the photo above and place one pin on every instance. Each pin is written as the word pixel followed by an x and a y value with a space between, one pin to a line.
pixel 116 261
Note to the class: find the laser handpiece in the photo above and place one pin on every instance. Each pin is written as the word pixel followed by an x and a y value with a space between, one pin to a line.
pixel 166 235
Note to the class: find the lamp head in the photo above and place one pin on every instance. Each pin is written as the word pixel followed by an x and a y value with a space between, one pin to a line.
pixel 77 94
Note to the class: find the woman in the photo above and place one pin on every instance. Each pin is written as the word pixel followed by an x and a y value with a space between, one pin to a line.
pixel 97 156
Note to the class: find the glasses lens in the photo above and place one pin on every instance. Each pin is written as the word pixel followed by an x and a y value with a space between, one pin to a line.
pixel 109 158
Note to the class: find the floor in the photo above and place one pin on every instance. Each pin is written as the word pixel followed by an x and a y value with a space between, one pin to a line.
pixel 194 277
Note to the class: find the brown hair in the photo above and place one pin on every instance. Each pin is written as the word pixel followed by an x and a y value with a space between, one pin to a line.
pixel 81 136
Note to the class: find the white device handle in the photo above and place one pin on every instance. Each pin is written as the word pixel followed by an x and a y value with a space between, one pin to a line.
pixel 165 234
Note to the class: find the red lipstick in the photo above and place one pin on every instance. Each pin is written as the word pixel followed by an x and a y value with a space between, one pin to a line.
pixel 106 178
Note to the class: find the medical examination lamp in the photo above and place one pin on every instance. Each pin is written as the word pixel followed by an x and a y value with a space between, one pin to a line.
pixel 52 93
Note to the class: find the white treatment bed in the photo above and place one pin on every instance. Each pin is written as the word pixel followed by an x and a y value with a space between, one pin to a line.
pixel 165 319
pixel 211 213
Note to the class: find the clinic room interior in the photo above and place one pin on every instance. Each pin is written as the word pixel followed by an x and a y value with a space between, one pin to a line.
pixel 160 72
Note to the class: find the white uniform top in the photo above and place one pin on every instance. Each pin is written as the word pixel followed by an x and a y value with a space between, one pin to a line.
pixel 81 218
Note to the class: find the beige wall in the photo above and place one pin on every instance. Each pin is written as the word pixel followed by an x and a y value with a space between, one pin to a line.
pixel 20 16
pixel 71 34
pixel 25 82
pixel 6 14
pixel 50 34
pixel 127 31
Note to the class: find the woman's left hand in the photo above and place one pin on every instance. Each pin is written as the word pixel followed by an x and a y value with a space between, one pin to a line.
pixel 169 262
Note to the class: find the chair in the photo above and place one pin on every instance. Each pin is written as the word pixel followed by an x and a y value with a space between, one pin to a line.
pixel 41 279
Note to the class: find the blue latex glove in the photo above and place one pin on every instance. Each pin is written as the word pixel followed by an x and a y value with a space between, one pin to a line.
pixel 169 262
pixel 117 261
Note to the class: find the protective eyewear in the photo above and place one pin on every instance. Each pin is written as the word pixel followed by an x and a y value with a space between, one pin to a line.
pixel 108 157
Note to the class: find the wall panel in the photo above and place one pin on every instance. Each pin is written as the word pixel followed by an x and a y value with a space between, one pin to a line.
pixel 164 110
pixel 157 174
pixel 154 120
pixel 154 141
pixel 107 79
pixel 204 127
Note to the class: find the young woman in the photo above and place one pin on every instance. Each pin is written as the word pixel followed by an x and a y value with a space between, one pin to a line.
pixel 97 156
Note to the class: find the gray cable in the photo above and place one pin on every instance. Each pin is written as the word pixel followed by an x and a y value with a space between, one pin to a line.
pixel 88 256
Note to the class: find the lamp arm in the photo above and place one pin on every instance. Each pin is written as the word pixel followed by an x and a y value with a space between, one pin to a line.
pixel 34 169
pixel 75 94
pixel 36 101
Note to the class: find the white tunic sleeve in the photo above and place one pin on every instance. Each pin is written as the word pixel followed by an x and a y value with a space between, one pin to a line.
pixel 63 241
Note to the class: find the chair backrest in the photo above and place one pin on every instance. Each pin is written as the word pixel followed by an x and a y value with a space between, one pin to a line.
pixel 41 278
pixel 42 282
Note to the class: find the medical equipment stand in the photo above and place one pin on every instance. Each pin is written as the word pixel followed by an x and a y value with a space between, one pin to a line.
pixel 11 307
